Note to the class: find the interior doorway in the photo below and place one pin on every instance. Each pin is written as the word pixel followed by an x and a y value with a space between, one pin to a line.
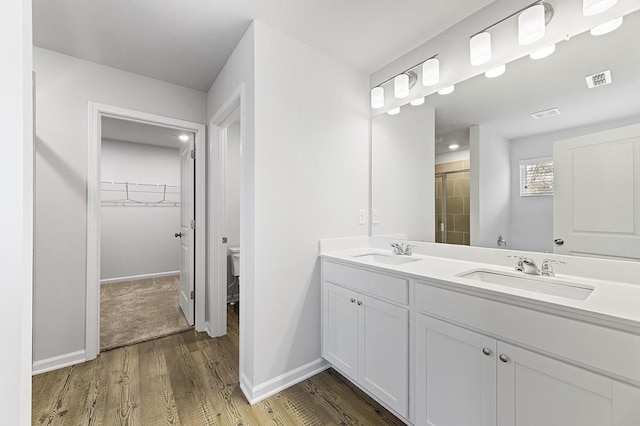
pixel 146 208
pixel 174 190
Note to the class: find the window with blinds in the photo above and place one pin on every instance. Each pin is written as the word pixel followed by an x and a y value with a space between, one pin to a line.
pixel 536 177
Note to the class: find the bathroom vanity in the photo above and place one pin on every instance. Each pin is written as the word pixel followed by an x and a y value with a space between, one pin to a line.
pixel 443 340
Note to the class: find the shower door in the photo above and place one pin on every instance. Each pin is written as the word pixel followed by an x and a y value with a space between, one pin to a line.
pixel 452 202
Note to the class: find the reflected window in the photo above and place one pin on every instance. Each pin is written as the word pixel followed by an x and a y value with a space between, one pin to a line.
pixel 536 177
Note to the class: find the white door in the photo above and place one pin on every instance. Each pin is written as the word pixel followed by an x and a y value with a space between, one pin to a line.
pixel 383 351
pixel 455 375
pixel 535 390
pixel 340 328
pixel 186 232
pixel 596 208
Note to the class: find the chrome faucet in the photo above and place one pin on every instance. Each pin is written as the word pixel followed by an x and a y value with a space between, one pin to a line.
pixel 526 265
pixel 546 269
pixel 530 267
pixel 400 249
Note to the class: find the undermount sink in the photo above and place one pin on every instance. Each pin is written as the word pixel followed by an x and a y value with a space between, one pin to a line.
pixel 386 259
pixel 535 283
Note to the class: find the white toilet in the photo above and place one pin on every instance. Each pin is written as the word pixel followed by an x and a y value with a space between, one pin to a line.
pixel 234 252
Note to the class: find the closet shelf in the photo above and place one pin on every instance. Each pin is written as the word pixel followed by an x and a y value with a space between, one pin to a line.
pixel 139 194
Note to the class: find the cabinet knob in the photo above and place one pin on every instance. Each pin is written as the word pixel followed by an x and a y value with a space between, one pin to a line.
pixel 504 358
pixel 353 300
pixel 359 302
pixel 486 351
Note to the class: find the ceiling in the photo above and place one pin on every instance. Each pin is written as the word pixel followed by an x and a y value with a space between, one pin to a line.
pixel 148 134
pixel 188 42
pixel 505 103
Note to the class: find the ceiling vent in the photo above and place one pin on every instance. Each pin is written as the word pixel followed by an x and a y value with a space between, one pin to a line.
pixel 547 113
pixel 599 79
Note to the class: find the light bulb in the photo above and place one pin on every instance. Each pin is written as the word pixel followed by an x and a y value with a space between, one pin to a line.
pixel 480 48
pixel 531 25
pixel 417 102
pixel 183 138
pixel 496 72
pixel 431 72
pixel 394 111
pixel 544 52
pixel 607 27
pixel 447 90
pixel 454 146
pixel 377 97
pixel 401 86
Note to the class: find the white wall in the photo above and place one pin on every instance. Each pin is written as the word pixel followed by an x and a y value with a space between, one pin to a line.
pixel 311 178
pixel 232 201
pixel 65 86
pixel 532 217
pixel 139 240
pixel 490 187
pixel 402 179
pixel 16 208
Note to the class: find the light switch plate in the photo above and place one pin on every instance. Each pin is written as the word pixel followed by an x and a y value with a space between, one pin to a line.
pixel 375 216
pixel 362 217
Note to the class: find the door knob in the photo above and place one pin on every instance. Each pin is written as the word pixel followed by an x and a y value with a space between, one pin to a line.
pixel 359 303
pixel 178 234
pixel 353 300
pixel 558 241
pixel 504 358
pixel 486 351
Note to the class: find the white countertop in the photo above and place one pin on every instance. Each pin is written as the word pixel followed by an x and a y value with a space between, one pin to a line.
pixel 613 304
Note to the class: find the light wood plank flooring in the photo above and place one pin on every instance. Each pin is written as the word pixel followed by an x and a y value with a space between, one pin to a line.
pixel 190 379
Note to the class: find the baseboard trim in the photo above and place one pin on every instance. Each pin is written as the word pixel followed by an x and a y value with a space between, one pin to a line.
pixel 139 277
pixel 57 362
pixel 255 394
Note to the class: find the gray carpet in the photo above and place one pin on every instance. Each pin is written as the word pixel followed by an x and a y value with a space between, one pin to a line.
pixel 135 311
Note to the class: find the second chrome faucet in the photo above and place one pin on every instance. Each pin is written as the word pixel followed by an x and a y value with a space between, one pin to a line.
pixel 528 266
pixel 401 249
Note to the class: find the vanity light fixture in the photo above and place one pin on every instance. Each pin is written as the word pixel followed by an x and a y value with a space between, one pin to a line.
pixel 394 111
pixel 183 138
pixel 377 97
pixel 496 72
pixel 594 7
pixel 431 71
pixel 607 27
pixel 447 90
pixel 454 146
pixel 417 102
pixel 544 52
pixel 480 48
pixel 401 86
pixel 531 24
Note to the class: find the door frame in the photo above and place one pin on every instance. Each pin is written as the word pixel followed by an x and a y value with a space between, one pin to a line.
pixel 232 110
pixel 95 113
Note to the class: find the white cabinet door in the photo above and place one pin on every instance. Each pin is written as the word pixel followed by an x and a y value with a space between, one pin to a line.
pixel 536 390
pixel 455 375
pixel 340 328
pixel 383 348
pixel 596 203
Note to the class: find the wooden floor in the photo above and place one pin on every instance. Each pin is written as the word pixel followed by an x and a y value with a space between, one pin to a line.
pixel 190 379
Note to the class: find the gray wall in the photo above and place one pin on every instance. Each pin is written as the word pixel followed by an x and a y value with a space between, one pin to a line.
pixel 138 240
pixel 65 86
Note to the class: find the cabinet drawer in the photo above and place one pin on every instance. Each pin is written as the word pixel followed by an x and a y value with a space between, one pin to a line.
pixel 613 352
pixel 388 287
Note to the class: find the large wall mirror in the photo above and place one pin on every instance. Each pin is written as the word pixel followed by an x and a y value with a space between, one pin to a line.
pixel 494 163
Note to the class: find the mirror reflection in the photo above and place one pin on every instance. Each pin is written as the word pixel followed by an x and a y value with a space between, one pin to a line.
pixel 494 163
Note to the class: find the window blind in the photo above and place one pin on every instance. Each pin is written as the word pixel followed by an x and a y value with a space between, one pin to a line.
pixel 536 177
